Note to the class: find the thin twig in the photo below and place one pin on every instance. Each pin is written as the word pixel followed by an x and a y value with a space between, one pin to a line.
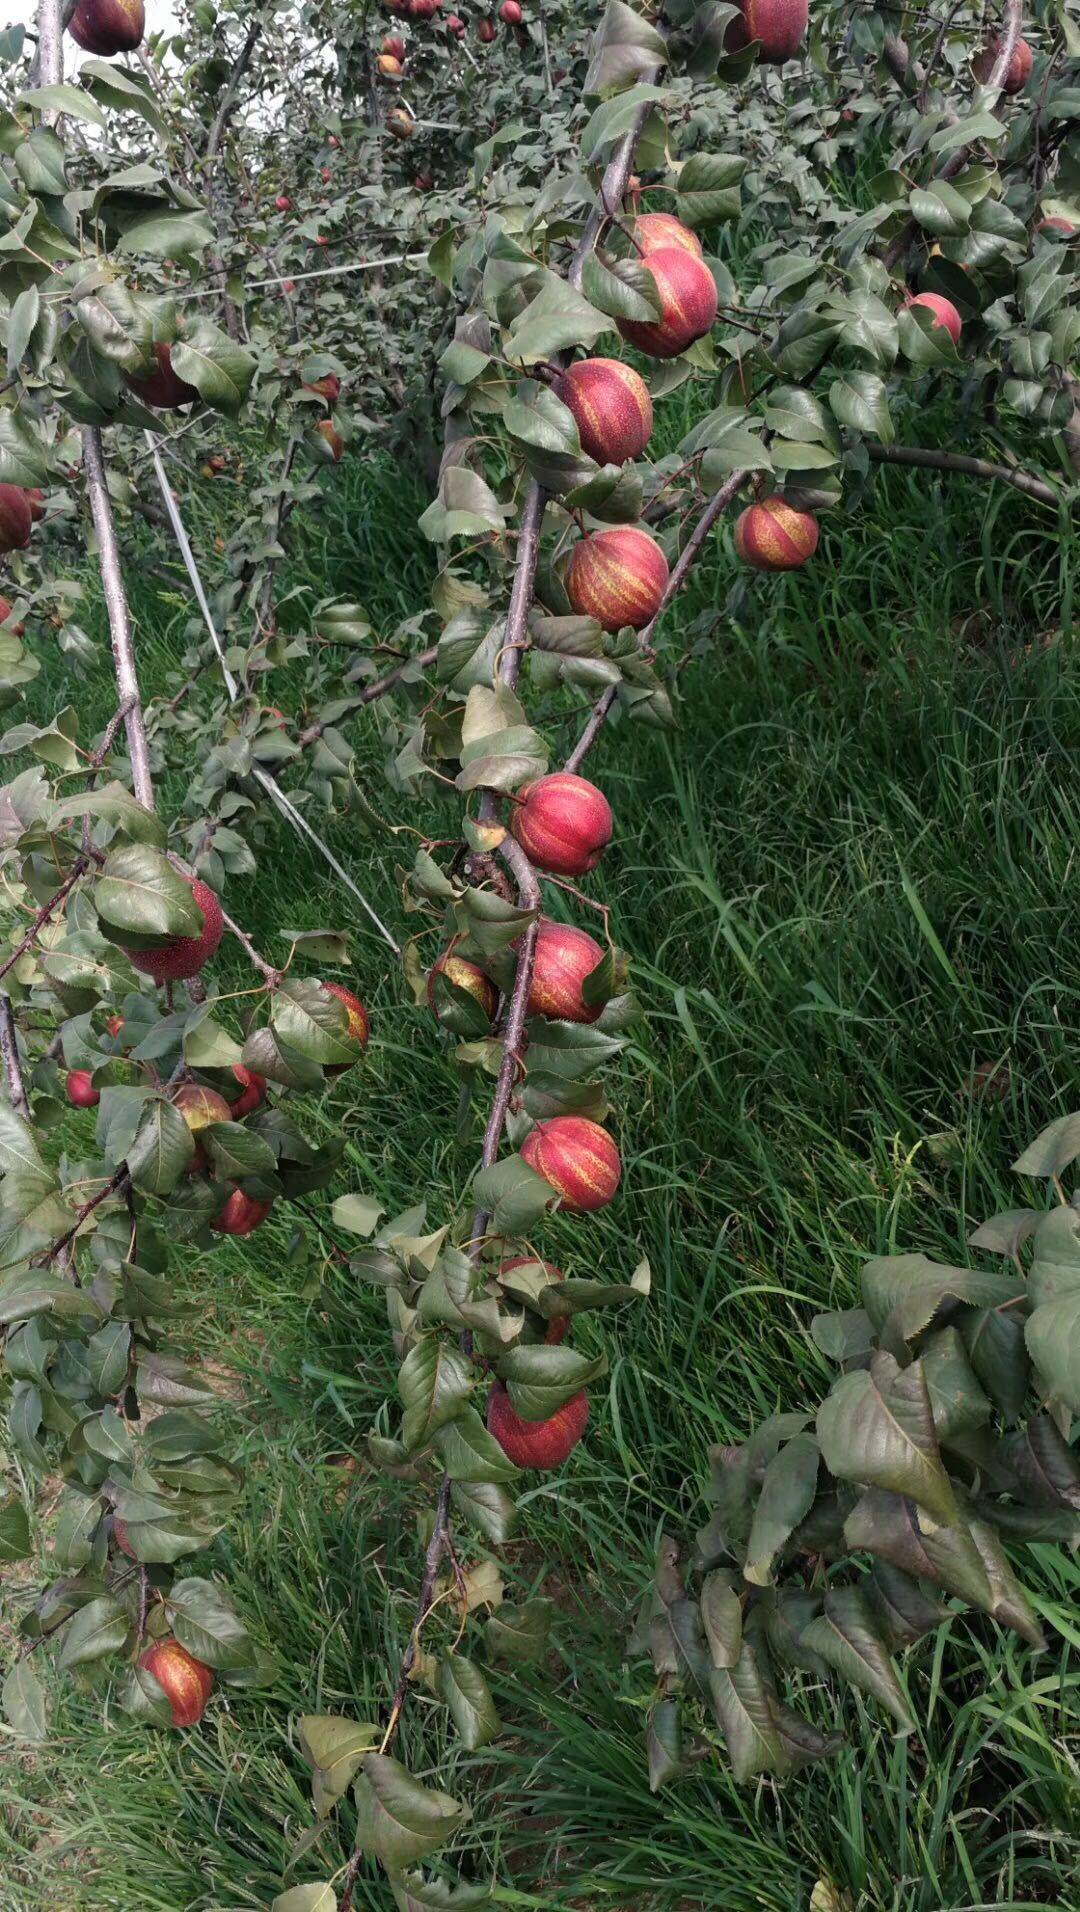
pixel 9 1048
pixel 603 706
pixel 116 604
pixel 925 456
pixel 47 909
pixel 371 692
pixel 273 789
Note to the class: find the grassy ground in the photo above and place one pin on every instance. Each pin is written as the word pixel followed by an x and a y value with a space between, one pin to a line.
pixel 845 883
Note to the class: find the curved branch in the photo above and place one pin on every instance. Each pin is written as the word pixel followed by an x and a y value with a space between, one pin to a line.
pixel 604 704
pixel 925 457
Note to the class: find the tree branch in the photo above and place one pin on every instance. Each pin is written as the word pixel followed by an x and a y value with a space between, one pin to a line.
pixel 232 84
pixel 714 509
pixel 127 682
pixel 47 909
pixel 9 1049
pixel 924 456
pixel 371 692
pixel 262 777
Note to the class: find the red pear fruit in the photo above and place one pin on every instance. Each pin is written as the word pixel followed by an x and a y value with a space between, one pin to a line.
pixel 687 304
pixel 540 1444
pixel 563 823
pixel 184 956
pixel 185 1681
pixel 611 407
pixel 161 389
pixel 577 1158
pixel 773 536
pixel 107 27
pixel 81 1092
pixel 617 576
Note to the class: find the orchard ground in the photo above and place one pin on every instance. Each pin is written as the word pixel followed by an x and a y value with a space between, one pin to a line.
pixel 847 887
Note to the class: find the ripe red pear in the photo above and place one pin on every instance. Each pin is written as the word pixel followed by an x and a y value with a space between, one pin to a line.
pixel 241 1214
pixel 617 576
pixel 283 202
pixel 687 304
pixel 773 536
pixel 577 1158
pixel 359 1022
pixel 464 975
pixel 557 1328
pixel 394 45
pixel 184 956
pixel 539 1444
pixel 565 955
pixel 778 26
pixel 328 430
pixel 510 13
pixel 252 1092
pixel 611 407
pixel 563 823
pixel 16 518
pixel 185 1681
pixel 162 389
pixel 659 231
pixel 81 1092
pixel 943 311
pixel 1018 72
pixel 485 32
pixel 107 27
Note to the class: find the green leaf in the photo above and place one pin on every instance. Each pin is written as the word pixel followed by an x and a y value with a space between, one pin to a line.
pixel 469 1453
pixel 313 1023
pixel 940 209
pixel 357 1214
pixel 434 1382
pixel 708 188
pixel 846 1635
pixel 98 1629
pixel 465 507
pixel 721 1616
pixel 204 1622
pixel 472 1708
pixel 520 1633
pixel 541 1379
pixel 14 1531
pixel 487 1507
pixel 741 1702
pixel 1053 1342
pixel 116 805
pixel 957 1402
pixel 877 1428
pixel 41 163
pixel 785 1498
pixel 398 1820
pixel 162 1150
pixel 22 460
pixel 860 400
pixel 663 1743
pixel 1053 1151
pixel 220 369
pixel 334 1747
pixel 514 1193
pixel 63 99
pixel 171 235
pixel 23 1701
pixel 140 892
pixel 623 288
pixel 556 319
pixel 306 1898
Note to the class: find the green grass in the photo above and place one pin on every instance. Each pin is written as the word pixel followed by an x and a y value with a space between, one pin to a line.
pixel 845 882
